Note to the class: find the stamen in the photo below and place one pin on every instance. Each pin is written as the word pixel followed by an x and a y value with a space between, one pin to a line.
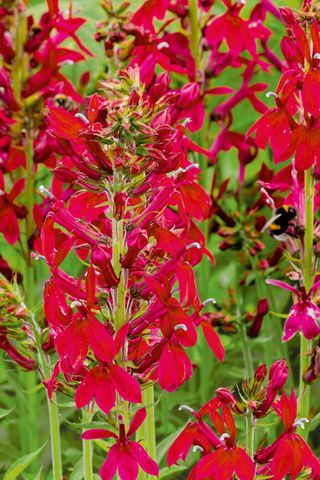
pixel 75 303
pixel 197 448
pixel 316 56
pixel 208 300
pixel 185 407
pixel 272 94
pixel 223 436
pixel 45 191
pixel 194 244
pixel 186 122
pixel 181 326
pixel 83 117
pixel 300 422
pixel 163 45
pixel 36 256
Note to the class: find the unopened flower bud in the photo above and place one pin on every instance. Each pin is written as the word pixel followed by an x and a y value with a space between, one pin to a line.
pixel 260 373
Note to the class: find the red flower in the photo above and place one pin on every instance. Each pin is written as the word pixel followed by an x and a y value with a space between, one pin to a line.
pixel 9 211
pixel 125 456
pixel 228 459
pixel 233 29
pixel 289 454
pixel 102 382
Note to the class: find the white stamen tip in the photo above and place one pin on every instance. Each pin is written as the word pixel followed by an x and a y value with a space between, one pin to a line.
pixel 301 422
pixel 1 192
pixel 194 244
pixel 223 436
pixel 186 121
pixel 45 191
pixel 83 117
pixel 316 56
pixel 209 300
pixel 36 256
pixel 76 303
pixel 163 45
pixel 271 94
pixel 197 448
pixel 185 407
pixel 181 326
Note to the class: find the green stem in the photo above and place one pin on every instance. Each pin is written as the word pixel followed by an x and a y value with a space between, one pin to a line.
pixel 146 435
pixel 246 351
pixel 308 274
pixel 52 405
pixel 87 448
pixel 55 437
pixel 250 425
pixel 30 299
pixel 120 317
pixel 195 33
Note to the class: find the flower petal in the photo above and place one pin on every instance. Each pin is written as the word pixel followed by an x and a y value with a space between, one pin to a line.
pixel 110 465
pixel 146 463
pixel 127 386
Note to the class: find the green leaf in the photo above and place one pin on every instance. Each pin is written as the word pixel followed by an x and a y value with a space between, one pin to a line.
pixel 164 445
pixel 167 472
pixel 21 464
pixel 314 422
pixel 4 413
pixel 77 472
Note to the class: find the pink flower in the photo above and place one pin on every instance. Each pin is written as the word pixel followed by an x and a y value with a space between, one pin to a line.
pixel 125 456
pixel 304 314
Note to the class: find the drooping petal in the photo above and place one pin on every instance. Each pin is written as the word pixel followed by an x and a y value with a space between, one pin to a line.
pixel 127 386
pixel 127 464
pixel 86 390
pixel 146 463
pixel 174 367
pixel 281 462
pixel 212 339
pixel 105 394
pixel 293 323
pixel 100 340
pixel 244 468
pixel 182 444
pixel 110 465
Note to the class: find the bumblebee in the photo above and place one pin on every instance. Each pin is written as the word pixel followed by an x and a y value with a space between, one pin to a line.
pixel 281 220
pixel 61 100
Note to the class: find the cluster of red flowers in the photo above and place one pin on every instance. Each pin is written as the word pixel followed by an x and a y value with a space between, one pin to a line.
pixel 30 78
pixel 221 458
pixel 128 213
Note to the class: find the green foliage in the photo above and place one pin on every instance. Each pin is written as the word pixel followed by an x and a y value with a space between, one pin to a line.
pixel 22 464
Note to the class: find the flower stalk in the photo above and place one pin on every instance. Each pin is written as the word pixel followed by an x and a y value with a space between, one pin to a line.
pixel 308 274
pixel 195 33
pixel 250 426
pixel 87 448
